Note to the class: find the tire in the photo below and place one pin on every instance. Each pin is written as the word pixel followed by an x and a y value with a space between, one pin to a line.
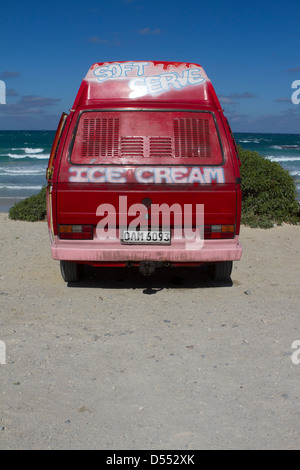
pixel 221 271
pixel 71 272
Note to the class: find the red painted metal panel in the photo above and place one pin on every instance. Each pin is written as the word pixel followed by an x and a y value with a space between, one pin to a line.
pixel 77 204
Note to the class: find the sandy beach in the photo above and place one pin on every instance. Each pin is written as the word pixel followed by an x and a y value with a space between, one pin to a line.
pixel 120 361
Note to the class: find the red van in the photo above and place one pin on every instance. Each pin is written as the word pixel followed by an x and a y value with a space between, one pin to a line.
pixel 144 172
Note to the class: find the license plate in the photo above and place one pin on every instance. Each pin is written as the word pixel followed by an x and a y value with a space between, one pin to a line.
pixel 151 237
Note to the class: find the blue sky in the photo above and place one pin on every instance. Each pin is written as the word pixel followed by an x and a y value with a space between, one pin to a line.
pixel 250 51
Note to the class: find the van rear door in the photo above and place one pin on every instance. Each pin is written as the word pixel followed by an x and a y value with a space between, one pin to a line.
pixel 168 156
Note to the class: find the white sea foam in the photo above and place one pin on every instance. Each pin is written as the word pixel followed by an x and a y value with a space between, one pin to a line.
pixel 40 156
pixel 21 171
pixel 29 150
pixel 283 158
pixel 285 147
pixel 8 186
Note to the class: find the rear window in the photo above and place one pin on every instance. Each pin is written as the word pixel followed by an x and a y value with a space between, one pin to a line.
pixel 146 137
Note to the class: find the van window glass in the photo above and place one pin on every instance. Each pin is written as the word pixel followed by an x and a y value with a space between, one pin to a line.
pixel 146 137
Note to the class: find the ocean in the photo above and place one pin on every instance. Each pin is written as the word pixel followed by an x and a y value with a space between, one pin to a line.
pixel 281 148
pixel 24 156
pixel 23 161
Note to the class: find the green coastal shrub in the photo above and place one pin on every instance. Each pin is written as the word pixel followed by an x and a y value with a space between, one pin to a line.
pixel 269 192
pixel 31 209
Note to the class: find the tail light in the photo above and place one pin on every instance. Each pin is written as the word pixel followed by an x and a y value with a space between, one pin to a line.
pixel 219 231
pixel 75 232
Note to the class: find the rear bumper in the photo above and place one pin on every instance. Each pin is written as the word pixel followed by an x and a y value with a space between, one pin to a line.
pixel 96 251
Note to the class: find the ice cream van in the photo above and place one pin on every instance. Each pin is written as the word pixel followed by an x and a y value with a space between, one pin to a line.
pixel 144 172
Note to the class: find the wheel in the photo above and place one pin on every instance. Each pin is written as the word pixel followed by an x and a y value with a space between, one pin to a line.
pixel 71 272
pixel 221 271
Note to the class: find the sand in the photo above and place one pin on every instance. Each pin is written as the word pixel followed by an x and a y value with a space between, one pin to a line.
pixel 119 361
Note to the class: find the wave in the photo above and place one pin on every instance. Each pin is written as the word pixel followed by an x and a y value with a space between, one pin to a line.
pixel 283 158
pixel 286 147
pixel 8 186
pixel 40 156
pixel 21 171
pixel 29 150
pixel 249 141
pixel 295 173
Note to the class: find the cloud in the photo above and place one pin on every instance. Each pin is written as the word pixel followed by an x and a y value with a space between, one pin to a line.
pixel 147 31
pixel 11 92
pixel 29 105
pixel 283 100
pixel 293 70
pixel 233 98
pixel 241 96
pixel 38 101
pixel 285 122
pixel 234 117
pixel 7 74
pixel 29 122
pixel 97 40
pixel 226 100
pixel 105 42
